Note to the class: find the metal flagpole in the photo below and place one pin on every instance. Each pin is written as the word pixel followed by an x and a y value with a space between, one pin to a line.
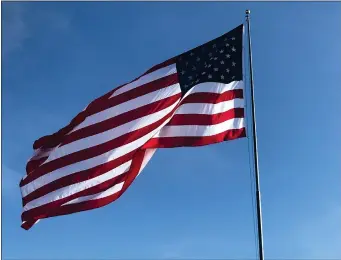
pixel 255 151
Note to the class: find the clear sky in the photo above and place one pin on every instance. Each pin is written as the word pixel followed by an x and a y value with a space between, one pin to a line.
pixel 188 202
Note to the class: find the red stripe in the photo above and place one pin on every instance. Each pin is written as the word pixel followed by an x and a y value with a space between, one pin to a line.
pixel 34 164
pixel 201 119
pixel 54 208
pixel 95 150
pixel 172 142
pixel 119 120
pixel 53 140
pixel 212 98
pixel 77 177
pixel 28 224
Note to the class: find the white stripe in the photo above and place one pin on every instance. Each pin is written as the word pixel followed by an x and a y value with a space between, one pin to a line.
pixel 116 188
pixel 130 105
pixel 160 73
pixel 215 87
pixel 94 140
pixel 89 163
pixel 36 221
pixel 209 109
pixel 77 187
pixel 200 130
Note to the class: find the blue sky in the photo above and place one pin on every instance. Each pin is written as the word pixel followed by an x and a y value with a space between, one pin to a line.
pixel 188 202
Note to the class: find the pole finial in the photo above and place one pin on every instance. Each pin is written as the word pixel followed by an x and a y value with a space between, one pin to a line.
pixel 247 13
pixel 255 149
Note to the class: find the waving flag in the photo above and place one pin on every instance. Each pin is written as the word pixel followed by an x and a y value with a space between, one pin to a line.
pixel 193 99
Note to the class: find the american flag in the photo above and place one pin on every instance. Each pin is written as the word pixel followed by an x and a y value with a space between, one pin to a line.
pixel 193 99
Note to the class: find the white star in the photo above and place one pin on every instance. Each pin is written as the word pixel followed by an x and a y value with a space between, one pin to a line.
pixel 214 45
pixel 233 64
pixel 209 65
pixel 227 45
pixel 233 49
pixel 233 77
pixel 222 62
pixel 228 56
pixel 185 86
pixel 233 38
pixel 225 39
pixel 222 77
pixel 186 63
pixel 190 77
pixel 191 54
pixel 183 72
pixel 221 51
pixel 215 58
pixel 209 76
pixel 198 59
pixel 210 54
pixel 203 73
pixel 228 70
pixel 194 68
pixel 215 69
